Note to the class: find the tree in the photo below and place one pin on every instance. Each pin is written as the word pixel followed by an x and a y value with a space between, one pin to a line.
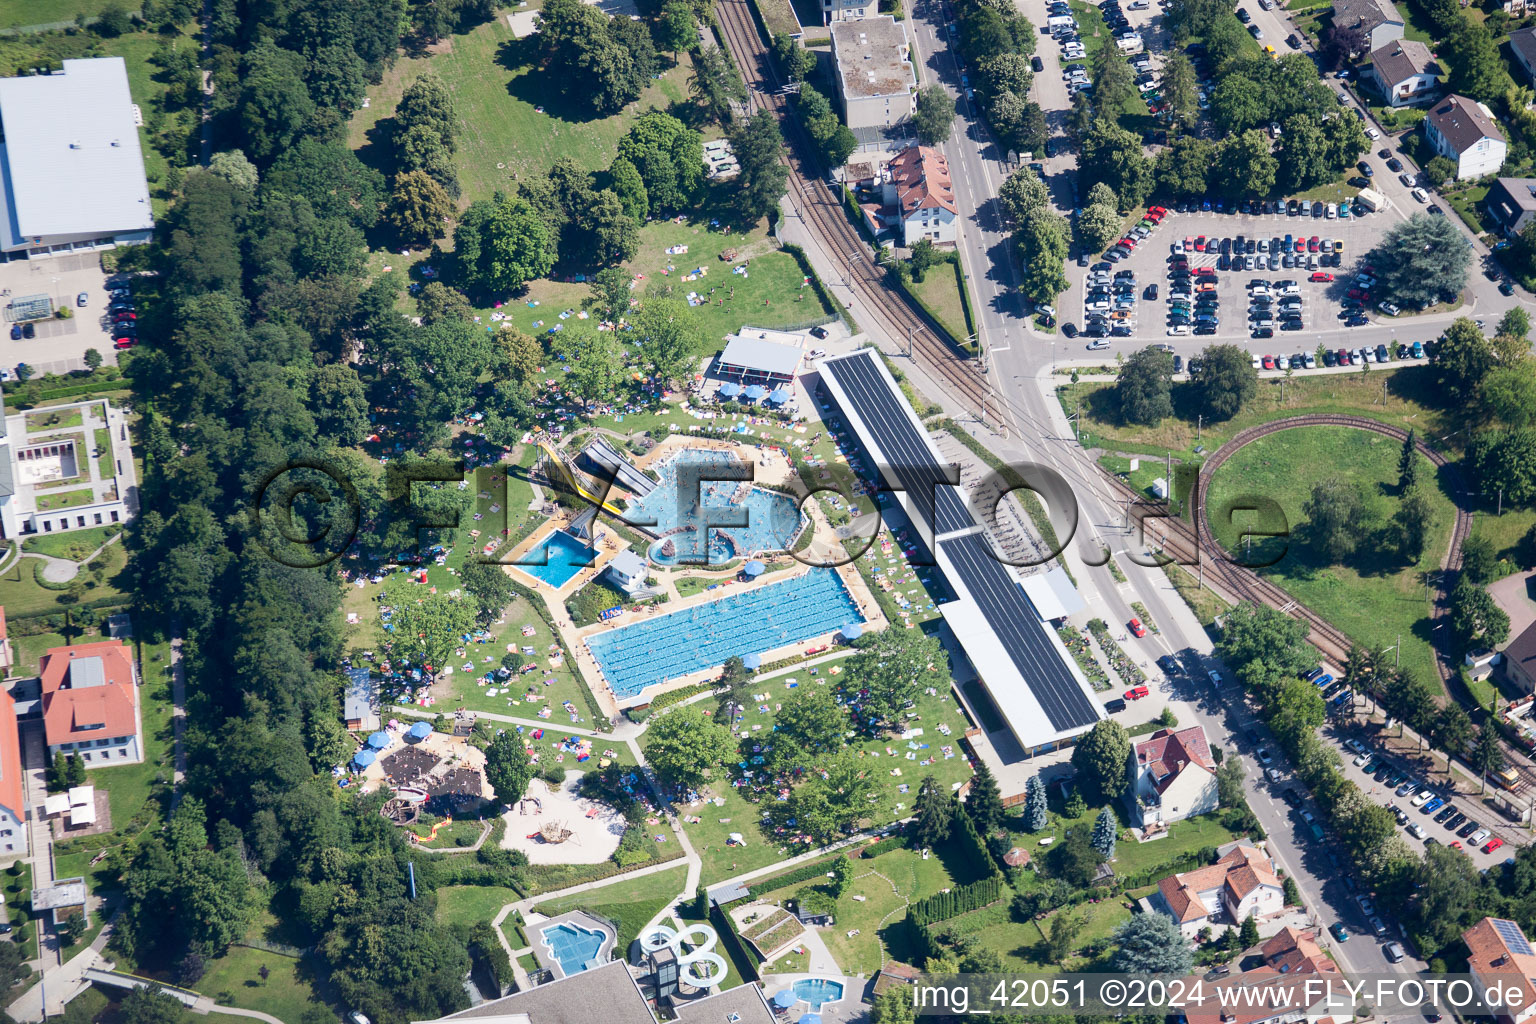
pixel 150 1005
pixel 113 21
pixel 1264 647
pixel 1065 928
pixel 1097 226
pixel 1408 462
pixel 984 802
pixel 418 207
pixel 1333 514
pixel 669 337
pixel 1504 462
pixel 1421 261
pixel 1144 387
pixel 684 747
pixel 1477 70
pixel 1245 160
pixel 1227 380
pixel 591 59
pixel 274 104
pixel 796 60
pixel 1105 831
pixel 1509 392
pixel 1413 520
pixel 626 183
pixel 489 586
pixel 889 665
pixel 924 256
pixel 1151 944
pixel 1487 755
pixel 1181 88
pixel 1296 710
pixel 437 302
pixel 1022 193
pixel 759 148
pixel 1100 760
pixel 1186 166
pixel 715 83
pixel 809 726
pixel 1113 83
pixel 507 767
pixel 1042 243
pixel 1479 560
pixel 1453 731
pixel 1248 934
pixel 427 629
pixel 501 244
pixel 931 815
pixel 1229 781
pixel 934 116
pixel 677 29
pixel 1007 72
pixel 893 1006
pixel 1113 155
pixel 233 167
pixel 1477 621
pixel 833 801
pixel 611 293
pixel 596 365
pixel 1034 804
pixel 1341 43
pixel 92 359
pixel 1515 323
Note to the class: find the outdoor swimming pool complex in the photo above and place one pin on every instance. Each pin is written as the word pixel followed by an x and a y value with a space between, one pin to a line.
pixel 818 991
pixel 648 653
pixel 563 557
pixel 574 947
pixel 772 518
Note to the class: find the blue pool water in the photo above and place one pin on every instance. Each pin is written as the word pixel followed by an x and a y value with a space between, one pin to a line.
pixel 574 947
pixel 817 991
pixel 651 652
pixel 772 519
pixel 563 557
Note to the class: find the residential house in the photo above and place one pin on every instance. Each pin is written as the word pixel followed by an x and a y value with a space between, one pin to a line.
pixel 1378 20
pixel 1242 883
pixel 1173 776
pixel 1500 959
pixel 921 191
pixel 1463 131
pixel 13 789
pixel 1522 43
pixel 91 703
pixel 1510 204
pixel 1404 71
pixel 1268 994
pixel 72 176
pixel 876 86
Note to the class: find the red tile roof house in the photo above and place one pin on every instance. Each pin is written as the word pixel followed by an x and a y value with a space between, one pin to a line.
pixel 1241 884
pixel 13 811
pixel 1172 776
pixel 1500 957
pixel 1276 992
pixel 90 703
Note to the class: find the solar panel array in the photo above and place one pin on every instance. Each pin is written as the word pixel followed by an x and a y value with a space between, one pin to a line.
pixel 990 583
pixel 1513 937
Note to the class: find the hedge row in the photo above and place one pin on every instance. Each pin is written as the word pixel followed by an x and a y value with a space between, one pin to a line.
pixel 803 873
pixel 885 845
pixel 959 900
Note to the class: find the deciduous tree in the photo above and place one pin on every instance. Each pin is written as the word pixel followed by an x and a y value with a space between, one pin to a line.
pixel 1100 760
pixel 934 116
pixel 684 747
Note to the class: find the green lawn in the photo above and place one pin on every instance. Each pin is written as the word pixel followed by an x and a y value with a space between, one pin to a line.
pixel 496 89
pixel 20 592
pixel 75 545
pixel 739 815
pixel 105 465
pixel 1465 202
pixel 67 499
pixel 1375 597
pixel 471 904
pixel 940 290
pixel 49 420
pixel 22 13
pixel 630 903
pixel 129 786
pixel 1410 390
pixel 234 979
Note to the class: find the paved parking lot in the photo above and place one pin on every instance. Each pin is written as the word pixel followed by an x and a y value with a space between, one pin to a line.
pixel 60 344
pixel 1320 302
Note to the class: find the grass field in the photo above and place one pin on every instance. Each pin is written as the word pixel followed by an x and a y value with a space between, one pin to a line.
pixel 22 13
pixel 20 591
pixel 1356 393
pixel 1376 596
pixel 76 545
pixel 234 979
pixel 502 136
pixel 940 291
pixel 471 904
pixel 65 499
pixel 630 903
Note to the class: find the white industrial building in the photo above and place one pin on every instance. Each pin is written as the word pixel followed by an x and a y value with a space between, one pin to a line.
pixel 71 170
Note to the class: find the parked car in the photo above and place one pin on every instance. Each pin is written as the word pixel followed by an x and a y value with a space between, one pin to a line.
pixel 1136 693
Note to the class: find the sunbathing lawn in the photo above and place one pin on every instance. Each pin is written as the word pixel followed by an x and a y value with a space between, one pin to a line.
pixel 709 835
pixel 628 903
pixel 470 904
pixel 1374 597
pixel 497 92
pixel 234 979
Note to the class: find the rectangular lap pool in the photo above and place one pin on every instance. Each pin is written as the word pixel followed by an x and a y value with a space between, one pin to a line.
pixel 573 947
pixel 652 652
pixel 563 557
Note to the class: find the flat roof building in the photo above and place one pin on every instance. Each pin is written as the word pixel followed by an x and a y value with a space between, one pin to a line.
pixel 750 355
pixel 71 170
pixel 875 82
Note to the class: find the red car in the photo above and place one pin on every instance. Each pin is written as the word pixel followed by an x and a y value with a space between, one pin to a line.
pixel 1493 844
pixel 1136 693
pixel 1269 362
pixel 125 315
pixel 1455 844
pixel 1200 244
pixel 1301 245
pixel 1128 242
pixel 1345 359
pixel 122 343
pixel 1189 243
pixel 1356 293
pixel 1137 629
pixel 1159 211
pixel 1312 244
pixel 1321 277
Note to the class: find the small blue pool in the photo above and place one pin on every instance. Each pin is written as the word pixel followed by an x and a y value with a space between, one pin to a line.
pixel 573 947
pixel 818 991
pixel 562 555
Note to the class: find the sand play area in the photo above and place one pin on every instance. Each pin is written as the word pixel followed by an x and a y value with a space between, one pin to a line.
pixel 565 828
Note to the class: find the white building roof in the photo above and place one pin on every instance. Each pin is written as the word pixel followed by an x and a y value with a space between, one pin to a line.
pixel 1053 594
pixel 82 796
pixel 57 803
pixel 760 355
pixel 71 158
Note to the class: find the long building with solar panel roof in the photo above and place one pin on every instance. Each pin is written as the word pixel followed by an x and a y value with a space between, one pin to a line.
pixel 1029 675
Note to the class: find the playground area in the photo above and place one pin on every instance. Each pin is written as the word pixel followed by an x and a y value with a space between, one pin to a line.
pixel 441 772
pixel 556 826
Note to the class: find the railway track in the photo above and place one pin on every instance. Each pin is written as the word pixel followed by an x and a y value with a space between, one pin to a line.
pixel 823 212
